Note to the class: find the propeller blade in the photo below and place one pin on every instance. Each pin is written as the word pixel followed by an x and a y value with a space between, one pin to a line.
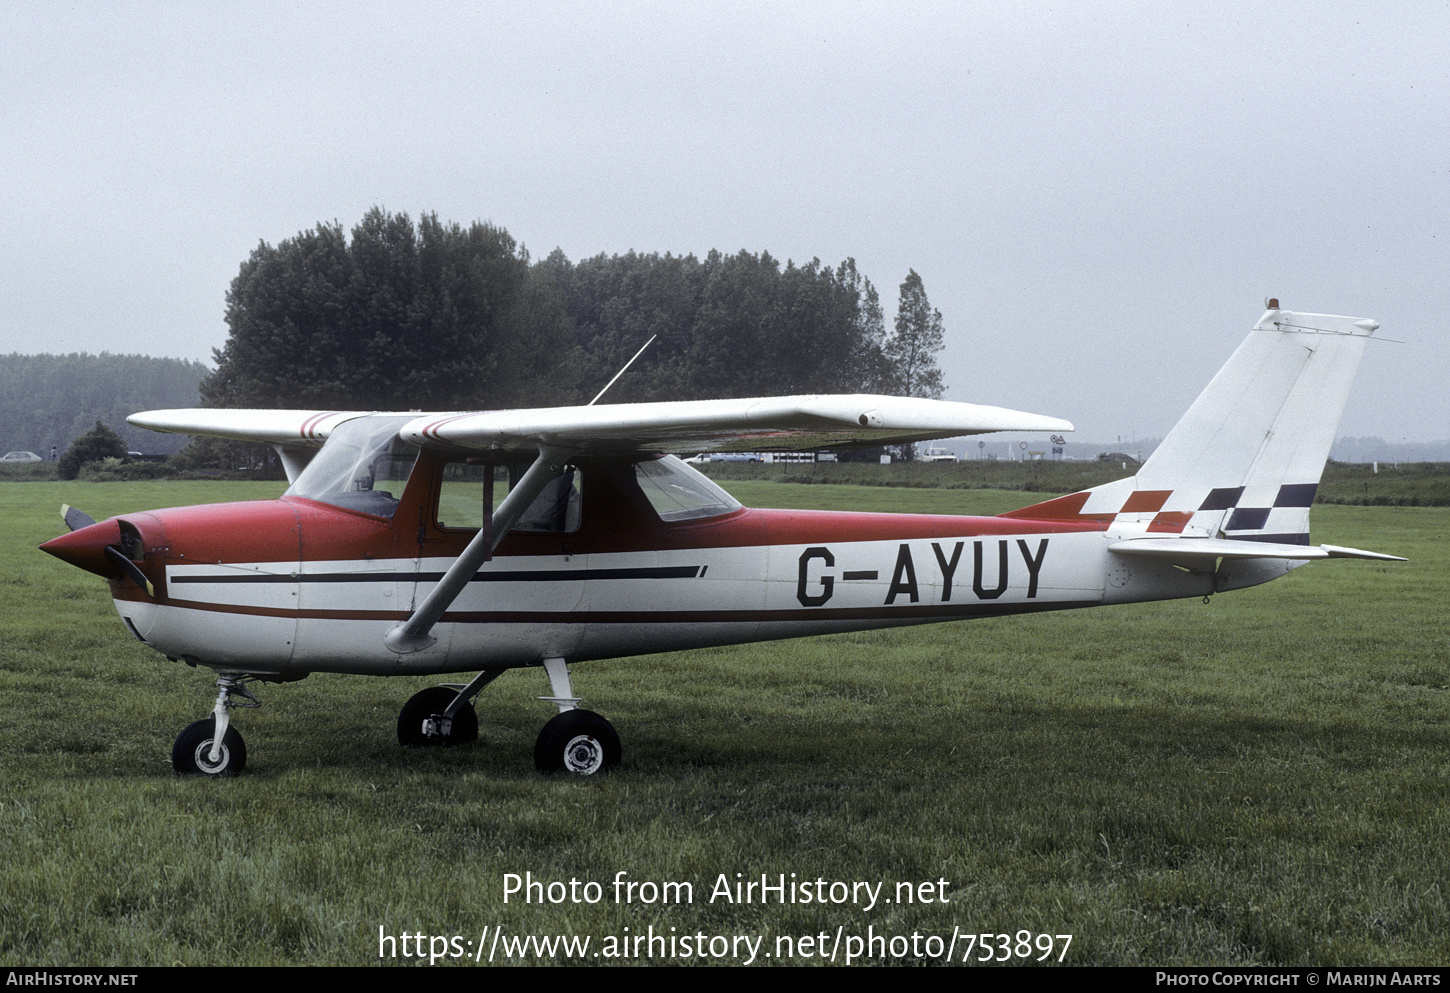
pixel 129 568
pixel 75 519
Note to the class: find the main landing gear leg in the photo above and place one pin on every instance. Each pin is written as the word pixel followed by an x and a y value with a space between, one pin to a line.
pixel 577 741
pixel 211 746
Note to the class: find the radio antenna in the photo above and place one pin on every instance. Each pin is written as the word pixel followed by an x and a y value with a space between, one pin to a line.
pixel 621 372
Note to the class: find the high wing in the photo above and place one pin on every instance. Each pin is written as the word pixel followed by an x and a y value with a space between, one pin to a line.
pixel 301 428
pixel 755 424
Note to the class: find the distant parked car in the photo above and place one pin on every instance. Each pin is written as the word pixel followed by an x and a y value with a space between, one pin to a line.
pixel 21 457
pixel 939 455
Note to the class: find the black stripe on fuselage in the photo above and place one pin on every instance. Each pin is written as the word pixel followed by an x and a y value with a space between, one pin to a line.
pixel 502 576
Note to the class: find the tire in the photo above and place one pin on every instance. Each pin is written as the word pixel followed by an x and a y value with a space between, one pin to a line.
pixel 191 753
pixel 577 741
pixel 429 703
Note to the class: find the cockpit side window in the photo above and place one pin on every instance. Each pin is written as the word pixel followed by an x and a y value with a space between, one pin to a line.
pixel 679 493
pixel 363 467
pixel 469 490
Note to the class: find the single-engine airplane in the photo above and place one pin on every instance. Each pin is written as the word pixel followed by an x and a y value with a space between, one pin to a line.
pixel 389 554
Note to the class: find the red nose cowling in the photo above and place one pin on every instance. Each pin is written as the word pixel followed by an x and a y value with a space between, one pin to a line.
pixel 86 548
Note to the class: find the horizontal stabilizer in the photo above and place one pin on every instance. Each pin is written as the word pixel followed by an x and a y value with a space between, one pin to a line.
pixel 1339 552
pixel 1228 548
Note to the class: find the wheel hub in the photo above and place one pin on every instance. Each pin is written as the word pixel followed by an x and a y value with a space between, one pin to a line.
pixel 204 761
pixel 584 755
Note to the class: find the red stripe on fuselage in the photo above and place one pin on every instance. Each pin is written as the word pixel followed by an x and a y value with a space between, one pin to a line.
pixel 298 530
pixel 903 612
pixel 1064 508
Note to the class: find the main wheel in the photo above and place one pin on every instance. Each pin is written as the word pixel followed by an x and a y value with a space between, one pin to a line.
pixel 192 752
pixel 577 741
pixel 430 704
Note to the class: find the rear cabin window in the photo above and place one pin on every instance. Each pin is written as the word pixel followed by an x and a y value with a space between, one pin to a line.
pixel 466 492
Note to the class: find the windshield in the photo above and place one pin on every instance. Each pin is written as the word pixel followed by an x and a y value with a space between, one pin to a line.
pixel 362 467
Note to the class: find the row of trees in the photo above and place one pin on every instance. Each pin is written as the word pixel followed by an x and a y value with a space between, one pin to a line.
pixel 46 401
pixel 438 316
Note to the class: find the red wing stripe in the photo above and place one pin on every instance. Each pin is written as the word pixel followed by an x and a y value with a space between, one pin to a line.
pixel 309 426
pixel 431 430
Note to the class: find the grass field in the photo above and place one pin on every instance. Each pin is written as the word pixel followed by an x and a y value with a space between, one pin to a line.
pixel 1258 780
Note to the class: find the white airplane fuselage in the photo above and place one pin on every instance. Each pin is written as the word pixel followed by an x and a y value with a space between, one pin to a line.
pixel 749 575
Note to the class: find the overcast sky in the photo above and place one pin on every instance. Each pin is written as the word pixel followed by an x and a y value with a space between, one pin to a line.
pixel 1098 196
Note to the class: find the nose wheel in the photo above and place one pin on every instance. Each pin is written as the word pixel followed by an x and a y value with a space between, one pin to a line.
pixel 192 753
pixel 212 747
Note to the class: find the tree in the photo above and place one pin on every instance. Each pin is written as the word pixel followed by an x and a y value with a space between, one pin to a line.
pixel 911 351
pixel 913 348
pixel 727 325
pixel 870 370
pixel 396 316
pixel 100 442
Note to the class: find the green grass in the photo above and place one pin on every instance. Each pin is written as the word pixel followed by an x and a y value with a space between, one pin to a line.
pixel 1386 484
pixel 1256 780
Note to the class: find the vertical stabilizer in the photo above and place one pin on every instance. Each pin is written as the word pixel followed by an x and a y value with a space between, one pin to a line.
pixel 1245 460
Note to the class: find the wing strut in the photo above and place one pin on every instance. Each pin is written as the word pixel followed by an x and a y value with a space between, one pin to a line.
pixel 413 635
